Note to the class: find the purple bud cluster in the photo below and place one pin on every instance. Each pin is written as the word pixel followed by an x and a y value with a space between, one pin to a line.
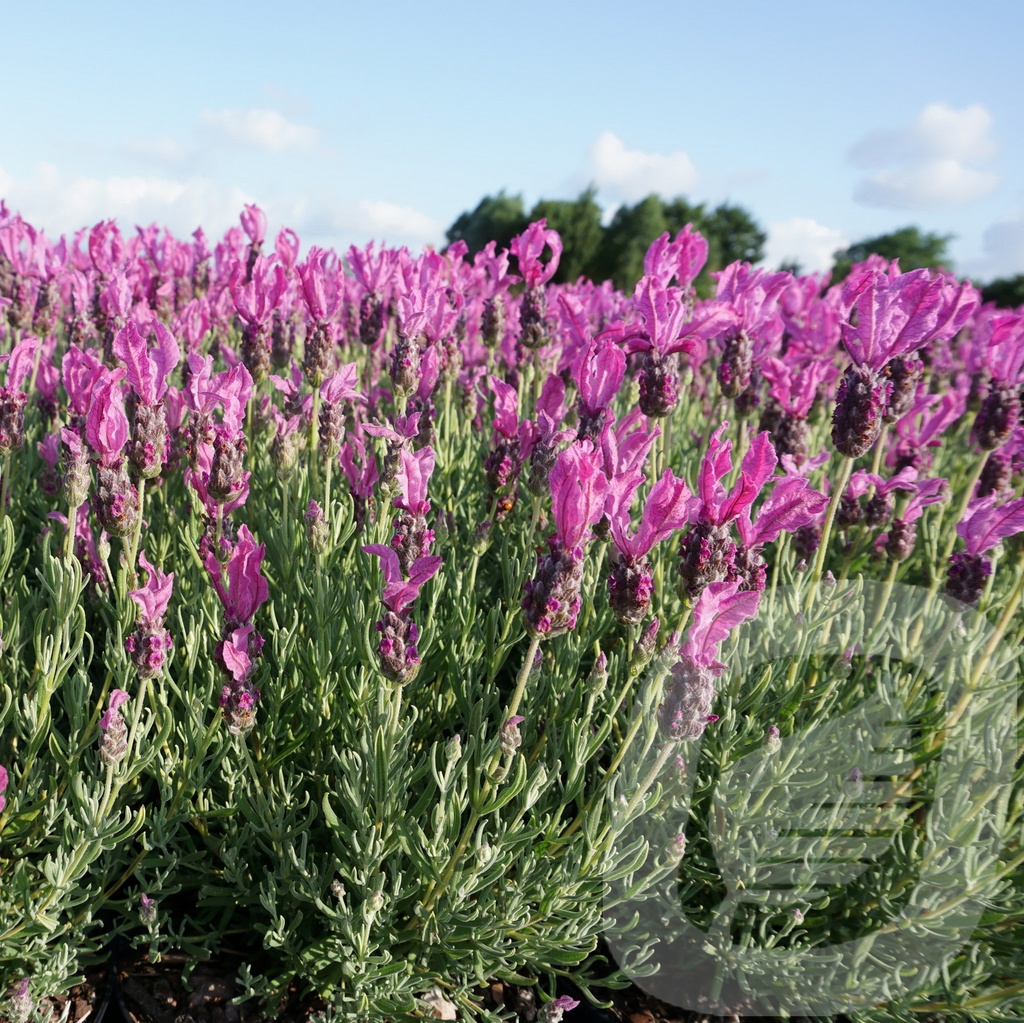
pixel 553 597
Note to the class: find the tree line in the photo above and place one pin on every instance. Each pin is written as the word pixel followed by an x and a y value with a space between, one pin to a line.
pixel 615 251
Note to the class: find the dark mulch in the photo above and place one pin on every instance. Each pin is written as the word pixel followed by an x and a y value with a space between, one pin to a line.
pixel 155 993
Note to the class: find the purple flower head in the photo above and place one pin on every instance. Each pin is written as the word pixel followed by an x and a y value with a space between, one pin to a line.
pixel 668 327
pixel 431 309
pixel 106 425
pixel 254 223
pixel 682 259
pixel 987 523
pixel 256 298
pixel 152 599
pixel 556 1009
pixel 791 504
pixel 720 608
pixel 578 489
pixel 113 741
pixel 923 426
pixel 926 492
pixel 757 467
pixel 147 368
pixel 598 371
pixel 667 509
pixel 506 414
pixel 234 652
pixel 286 245
pixel 794 386
pixel 625 449
pixel 240 583
pixel 374 272
pixel 413 476
pixel 889 315
pixel 231 390
pixel 753 295
pixel 528 248
pixel 399 593
pixel 118 698
pixel 20 362
pixel 341 386
pixel 81 371
pixel 321 285
pixel 3 787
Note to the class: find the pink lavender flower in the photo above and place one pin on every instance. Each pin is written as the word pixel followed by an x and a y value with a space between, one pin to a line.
pixel 113 731
pixel 150 643
pixel 668 328
pixel 667 509
pixel 556 1009
pixel 681 259
pixel 147 370
pixel 898 543
pixel 3 788
pixel 981 529
pixel 690 691
pixel 257 294
pixel 12 398
pixel 578 490
pixel 242 589
pixel 598 371
pixel 888 316
pixel 791 506
pixel 528 248
pixel 707 553
pixel 399 657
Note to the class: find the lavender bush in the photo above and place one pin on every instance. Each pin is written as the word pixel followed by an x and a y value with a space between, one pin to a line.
pixel 360 613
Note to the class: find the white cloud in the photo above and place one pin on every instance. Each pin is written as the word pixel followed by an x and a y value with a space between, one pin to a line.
pixel 62 203
pixel 1002 245
pixel 804 241
pixel 330 221
pixel 165 151
pixel 939 159
pixel 259 129
pixel 628 175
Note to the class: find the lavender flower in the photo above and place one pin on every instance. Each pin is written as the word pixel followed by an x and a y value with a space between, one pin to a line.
pixel 113 730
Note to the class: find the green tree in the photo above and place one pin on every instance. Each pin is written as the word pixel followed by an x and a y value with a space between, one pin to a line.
pixel 913 247
pixel 1006 292
pixel 578 224
pixel 620 256
pixel 496 218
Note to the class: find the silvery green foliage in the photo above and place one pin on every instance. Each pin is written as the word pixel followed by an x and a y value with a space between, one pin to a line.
pixel 503 809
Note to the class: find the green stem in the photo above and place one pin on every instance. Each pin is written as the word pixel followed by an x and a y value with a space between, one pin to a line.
pixel 845 468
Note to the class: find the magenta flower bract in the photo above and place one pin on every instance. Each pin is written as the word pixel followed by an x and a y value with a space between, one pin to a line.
pixel 147 369
pixel 528 248
pixel 240 583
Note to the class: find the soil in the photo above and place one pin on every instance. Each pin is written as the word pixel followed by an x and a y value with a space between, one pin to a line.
pixel 155 993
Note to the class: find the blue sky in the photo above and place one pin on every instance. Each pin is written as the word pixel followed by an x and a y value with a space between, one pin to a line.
pixel 349 121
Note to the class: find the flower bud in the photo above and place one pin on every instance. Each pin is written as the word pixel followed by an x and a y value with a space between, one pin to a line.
pixel 772 740
pixel 316 528
pixel 689 693
pixel 492 324
pixel 659 386
pixel 630 587
pixel 532 313
pixel 511 739
pixel 857 419
pixel 736 367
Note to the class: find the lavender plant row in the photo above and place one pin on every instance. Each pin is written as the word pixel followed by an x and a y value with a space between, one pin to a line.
pixel 361 615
